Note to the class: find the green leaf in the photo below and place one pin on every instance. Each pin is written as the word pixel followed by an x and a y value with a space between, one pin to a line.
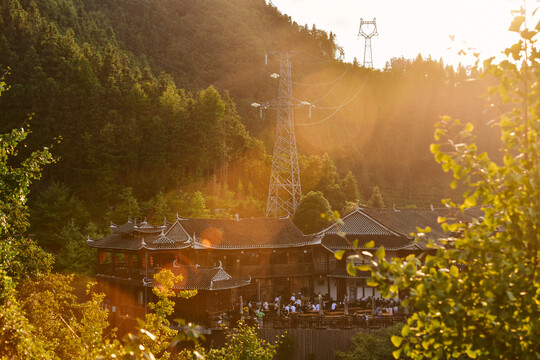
pixel 339 254
pixel 351 268
pixel 396 340
pixel 454 272
pixel 355 244
pixel 369 244
pixel 516 23
pixel 470 201
pixel 471 353
pixel 371 282
pixel 405 330
pixel 363 267
pixel 380 254
pixel 528 34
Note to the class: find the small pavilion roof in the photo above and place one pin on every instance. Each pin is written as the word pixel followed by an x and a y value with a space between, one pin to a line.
pixel 195 277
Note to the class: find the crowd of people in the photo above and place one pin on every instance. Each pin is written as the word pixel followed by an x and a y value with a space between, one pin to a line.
pixel 279 306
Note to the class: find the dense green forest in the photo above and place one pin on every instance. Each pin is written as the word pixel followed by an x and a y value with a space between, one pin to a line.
pixel 147 105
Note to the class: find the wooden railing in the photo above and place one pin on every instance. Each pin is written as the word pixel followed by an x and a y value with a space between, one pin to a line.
pixel 272 270
pixel 242 271
pixel 121 272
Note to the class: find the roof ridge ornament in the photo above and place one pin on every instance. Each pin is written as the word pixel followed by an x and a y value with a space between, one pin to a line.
pixel 89 240
pixel 236 217
pixel 431 206
pixel 143 243
pixel 396 210
pixel 175 263
pixel 112 226
pixel 178 217
pixel 129 220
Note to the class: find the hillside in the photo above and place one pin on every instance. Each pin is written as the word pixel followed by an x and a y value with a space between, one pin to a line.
pixel 150 102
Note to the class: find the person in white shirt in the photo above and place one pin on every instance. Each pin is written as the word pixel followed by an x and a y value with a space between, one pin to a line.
pixel 293 298
pixel 334 305
pixel 265 305
pixel 293 308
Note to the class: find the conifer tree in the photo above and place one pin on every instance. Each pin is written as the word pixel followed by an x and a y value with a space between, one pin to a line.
pixel 376 199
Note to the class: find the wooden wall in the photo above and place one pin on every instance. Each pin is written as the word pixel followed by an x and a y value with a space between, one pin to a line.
pixel 322 343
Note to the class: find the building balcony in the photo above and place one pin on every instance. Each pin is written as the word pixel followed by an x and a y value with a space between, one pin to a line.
pixel 121 272
pixel 269 271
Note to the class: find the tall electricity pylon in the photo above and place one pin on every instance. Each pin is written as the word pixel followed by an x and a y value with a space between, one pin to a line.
pixel 368 56
pixel 284 191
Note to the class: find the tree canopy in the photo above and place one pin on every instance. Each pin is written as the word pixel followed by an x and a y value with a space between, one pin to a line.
pixel 478 295
pixel 312 213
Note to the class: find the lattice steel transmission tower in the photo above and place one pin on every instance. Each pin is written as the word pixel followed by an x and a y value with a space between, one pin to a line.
pixel 368 33
pixel 284 191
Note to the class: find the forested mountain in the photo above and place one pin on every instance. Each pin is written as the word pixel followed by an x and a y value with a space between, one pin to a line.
pixel 149 102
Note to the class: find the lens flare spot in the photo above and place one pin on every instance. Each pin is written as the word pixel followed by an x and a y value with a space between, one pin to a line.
pixel 211 237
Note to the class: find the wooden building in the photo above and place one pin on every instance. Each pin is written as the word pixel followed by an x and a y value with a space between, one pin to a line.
pixel 222 258
pixel 393 229
pixel 257 259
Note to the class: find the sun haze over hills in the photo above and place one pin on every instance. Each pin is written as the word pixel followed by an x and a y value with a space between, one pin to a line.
pixel 152 102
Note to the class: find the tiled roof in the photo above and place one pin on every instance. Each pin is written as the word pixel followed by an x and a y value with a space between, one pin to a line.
pixel 247 233
pixel 336 242
pixel 358 223
pixel 405 221
pixel 392 228
pixel 208 233
pixel 169 236
pixel 205 278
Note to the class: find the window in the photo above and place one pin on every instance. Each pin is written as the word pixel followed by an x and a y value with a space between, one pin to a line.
pixel 133 260
pixel 105 257
pixel 121 259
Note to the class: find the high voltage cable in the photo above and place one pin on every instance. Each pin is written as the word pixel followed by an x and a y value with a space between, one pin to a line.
pixel 326 83
pixel 338 108
pixel 332 89
pixel 322 60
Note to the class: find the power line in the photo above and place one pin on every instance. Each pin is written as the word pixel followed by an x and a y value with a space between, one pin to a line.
pixel 326 83
pixel 338 108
